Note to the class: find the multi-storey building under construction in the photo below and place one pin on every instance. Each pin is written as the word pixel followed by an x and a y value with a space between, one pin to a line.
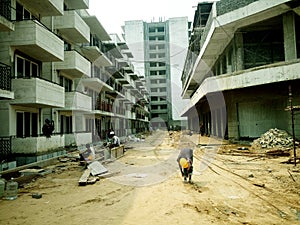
pixel 242 71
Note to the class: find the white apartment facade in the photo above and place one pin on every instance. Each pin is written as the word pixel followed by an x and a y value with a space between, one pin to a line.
pixel 58 63
pixel 159 49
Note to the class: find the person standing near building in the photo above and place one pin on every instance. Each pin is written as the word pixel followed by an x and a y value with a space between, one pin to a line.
pixel 48 128
pixel 202 129
pixel 185 163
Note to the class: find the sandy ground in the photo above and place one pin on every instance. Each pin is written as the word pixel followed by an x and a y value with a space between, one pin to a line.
pixel 148 189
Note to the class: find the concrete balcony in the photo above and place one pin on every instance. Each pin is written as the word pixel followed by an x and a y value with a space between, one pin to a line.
pixel 77 4
pixel 126 65
pixel 4 94
pixel 130 115
pixel 144 91
pixel 72 27
pixel 95 55
pixel 96 28
pixel 76 101
pixel 96 84
pixel 6 25
pixel 78 138
pixel 138 83
pixel 74 65
pixel 133 76
pixel 37 93
pixel 103 60
pixel 37 145
pixel 45 7
pixel 136 92
pixel 33 39
pixel 92 53
pixel 123 81
pixel 268 74
pixel 129 86
pixel 129 68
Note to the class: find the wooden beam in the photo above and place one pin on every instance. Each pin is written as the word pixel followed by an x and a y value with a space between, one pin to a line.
pixel 84 177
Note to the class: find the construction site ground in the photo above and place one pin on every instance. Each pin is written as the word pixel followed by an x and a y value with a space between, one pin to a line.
pixel 231 185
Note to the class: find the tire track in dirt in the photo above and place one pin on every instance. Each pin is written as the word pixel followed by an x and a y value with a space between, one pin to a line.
pixel 282 209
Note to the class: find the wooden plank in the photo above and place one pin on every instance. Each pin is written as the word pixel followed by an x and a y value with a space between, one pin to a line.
pixel 107 175
pixel 117 152
pixel 92 180
pixel 84 177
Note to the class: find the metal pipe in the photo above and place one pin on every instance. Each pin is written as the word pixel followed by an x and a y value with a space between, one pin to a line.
pixel 293 124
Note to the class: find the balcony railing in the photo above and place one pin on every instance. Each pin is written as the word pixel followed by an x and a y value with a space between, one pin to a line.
pixel 119 110
pixel 5 77
pixel 103 106
pixel 7 14
pixel 5 9
pixel 5 149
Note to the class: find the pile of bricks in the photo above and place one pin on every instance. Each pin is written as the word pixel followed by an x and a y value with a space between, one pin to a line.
pixel 274 138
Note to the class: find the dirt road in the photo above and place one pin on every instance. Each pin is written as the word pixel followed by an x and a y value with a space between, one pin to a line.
pixel 148 189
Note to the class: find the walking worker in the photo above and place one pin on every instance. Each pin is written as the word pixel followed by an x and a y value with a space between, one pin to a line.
pixel 185 163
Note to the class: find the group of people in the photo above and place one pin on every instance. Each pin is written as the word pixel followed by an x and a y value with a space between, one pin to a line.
pixel 89 154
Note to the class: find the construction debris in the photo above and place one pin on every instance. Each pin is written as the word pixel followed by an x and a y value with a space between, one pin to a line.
pixel 36 195
pixel 107 175
pixel 84 177
pixel 259 185
pixel 278 152
pixel 274 138
pixel 97 168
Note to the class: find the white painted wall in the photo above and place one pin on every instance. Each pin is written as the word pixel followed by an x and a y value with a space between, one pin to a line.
pixel 134 37
pixel 178 31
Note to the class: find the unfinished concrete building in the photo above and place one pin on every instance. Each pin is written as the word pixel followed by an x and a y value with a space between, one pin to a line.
pixel 242 71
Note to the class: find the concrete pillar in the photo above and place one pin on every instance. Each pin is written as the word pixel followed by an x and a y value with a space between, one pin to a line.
pixel 289 32
pixel 239 51
pixel 221 66
pixel 223 121
pixel 229 61
pixel 232 117
pixel 213 122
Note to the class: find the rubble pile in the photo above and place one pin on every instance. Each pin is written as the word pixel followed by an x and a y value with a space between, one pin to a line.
pixel 274 138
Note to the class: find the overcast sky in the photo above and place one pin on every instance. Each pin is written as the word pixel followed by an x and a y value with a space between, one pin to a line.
pixel 112 14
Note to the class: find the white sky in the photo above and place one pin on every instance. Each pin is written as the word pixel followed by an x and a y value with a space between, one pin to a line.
pixel 112 14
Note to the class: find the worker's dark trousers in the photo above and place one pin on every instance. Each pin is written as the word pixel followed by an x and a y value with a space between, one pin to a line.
pixel 187 173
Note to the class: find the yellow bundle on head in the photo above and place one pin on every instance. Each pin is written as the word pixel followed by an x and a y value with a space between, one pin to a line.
pixel 184 163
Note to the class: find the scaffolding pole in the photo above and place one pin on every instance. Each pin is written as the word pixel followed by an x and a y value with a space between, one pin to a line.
pixel 293 123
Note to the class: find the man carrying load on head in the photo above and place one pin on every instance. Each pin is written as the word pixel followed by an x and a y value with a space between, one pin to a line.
pixel 185 162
